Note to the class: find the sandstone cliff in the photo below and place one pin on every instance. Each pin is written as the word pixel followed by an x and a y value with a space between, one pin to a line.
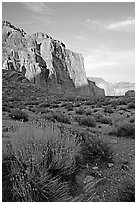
pixel 46 62
pixel 113 89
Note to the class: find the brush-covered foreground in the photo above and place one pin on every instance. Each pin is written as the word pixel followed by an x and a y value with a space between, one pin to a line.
pixel 59 148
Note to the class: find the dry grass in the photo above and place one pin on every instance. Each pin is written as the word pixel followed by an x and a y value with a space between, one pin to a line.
pixel 43 165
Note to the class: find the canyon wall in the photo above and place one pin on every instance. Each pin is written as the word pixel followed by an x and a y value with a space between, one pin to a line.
pixel 46 62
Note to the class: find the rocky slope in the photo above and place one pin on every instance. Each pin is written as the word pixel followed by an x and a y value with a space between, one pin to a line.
pixel 113 89
pixel 45 62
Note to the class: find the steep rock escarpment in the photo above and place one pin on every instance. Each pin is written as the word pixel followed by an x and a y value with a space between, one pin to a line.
pixel 113 89
pixel 45 62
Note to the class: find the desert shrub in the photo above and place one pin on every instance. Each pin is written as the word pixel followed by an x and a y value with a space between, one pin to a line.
pixel 132 119
pixel 71 98
pixel 80 111
pixel 99 104
pixel 105 120
pixel 54 105
pixel 108 109
pixel 88 103
pixel 95 150
pixel 64 104
pixel 32 103
pixel 122 101
pixel 42 110
pixel 60 117
pixel 95 110
pixel 126 130
pixel 19 115
pixel 14 98
pixel 42 167
pixel 6 108
pixel 77 104
pixel 45 105
pixel 86 120
pixel 131 105
pixel 69 107
pixel 98 117
pixel 49 116
pixel 88 112
pixel 127 192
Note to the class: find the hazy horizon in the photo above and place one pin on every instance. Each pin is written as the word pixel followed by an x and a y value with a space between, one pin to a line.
pixel 103 32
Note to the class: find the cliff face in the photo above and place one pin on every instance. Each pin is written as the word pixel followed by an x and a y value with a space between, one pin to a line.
pixel 45 62
pixel 113 89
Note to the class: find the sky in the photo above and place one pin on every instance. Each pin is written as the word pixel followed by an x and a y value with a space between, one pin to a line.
pixel 103 32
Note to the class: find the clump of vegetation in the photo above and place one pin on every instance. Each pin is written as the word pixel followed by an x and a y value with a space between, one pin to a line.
pixel 69 107
pixel 77 104
pixel 88 103
pixel 80 111
pixel 42 110
pixel 108 109
pixel 131 105
pixel 127 192
pixel 105 120
pixel 88 112
pixel 132 119
pixel 42 166
pixel 122 101
pixel 6 108
pixel 54 105
pixel 60 117
pixel 49 116
pixel 45 105
pixel 95 150
pixel 65 104
pixel 86 120
pixel 19 115
pixel 126 130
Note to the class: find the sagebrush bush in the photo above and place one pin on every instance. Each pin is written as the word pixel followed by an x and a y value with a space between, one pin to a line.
pixel 108 109
pixel 61 117
pixel 19 115
pixel 54 105
pixel 131 105
pixel 42 110
pixel 49 116
pixel 127 192
pixel 80 111
pixel 45 105
pixel 123 101
pixel 95 150
pixel 6 108
pixel 88 103
pixel 132 119
pixel 126 130
pixel 86 120
pixel 42 166
pixel 105 120
pixel 88 112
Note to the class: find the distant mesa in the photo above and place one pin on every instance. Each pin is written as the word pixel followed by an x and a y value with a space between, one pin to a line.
pixel 130 93
pixel 46 62
pixel 113 89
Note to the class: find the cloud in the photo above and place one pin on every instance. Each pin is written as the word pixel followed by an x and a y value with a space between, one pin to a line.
pixel 78 37
pixel 38 7
pixel 128 24
pixel 39 10
pixel 110 65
